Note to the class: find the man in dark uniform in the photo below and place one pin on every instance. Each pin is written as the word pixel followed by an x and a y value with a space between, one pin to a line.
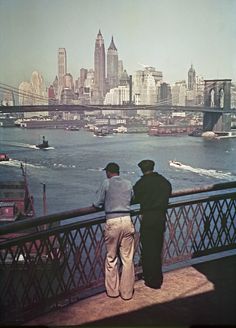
pixel 152 192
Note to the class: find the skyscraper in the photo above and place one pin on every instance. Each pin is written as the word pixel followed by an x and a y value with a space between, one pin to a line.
pixel 112 66
pixel 33 93
pixel 62 69
pixel 99 69
pixel 191 78
pixel 164 95
pixel 120 68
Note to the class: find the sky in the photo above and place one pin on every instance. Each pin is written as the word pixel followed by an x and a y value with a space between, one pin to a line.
pixel 169 35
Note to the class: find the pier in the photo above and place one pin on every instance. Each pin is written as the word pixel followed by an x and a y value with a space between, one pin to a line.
pixel 52 267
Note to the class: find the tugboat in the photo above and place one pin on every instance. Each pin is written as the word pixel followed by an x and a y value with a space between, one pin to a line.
pixel 43 145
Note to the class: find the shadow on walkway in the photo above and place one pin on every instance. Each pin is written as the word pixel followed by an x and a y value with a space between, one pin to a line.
pixel 213 308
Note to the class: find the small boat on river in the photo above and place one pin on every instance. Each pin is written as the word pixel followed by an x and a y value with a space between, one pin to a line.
pixel 4 157
pixel 72 128
pixel 175 164
pixel 43 145
pixel 101 132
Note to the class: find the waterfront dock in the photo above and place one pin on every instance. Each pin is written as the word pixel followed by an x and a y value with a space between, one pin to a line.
pixel 200 294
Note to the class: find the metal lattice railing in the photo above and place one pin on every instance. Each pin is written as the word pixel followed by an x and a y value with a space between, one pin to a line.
pixel 57 259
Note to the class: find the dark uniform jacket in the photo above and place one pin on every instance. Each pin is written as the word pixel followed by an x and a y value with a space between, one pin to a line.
pixel 152 192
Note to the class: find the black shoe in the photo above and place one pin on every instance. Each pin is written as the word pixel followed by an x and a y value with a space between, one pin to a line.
pixel 154 286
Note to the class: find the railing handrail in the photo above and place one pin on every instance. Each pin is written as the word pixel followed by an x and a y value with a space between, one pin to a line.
pixel 54 217
pixel 59 262
pixel 207 188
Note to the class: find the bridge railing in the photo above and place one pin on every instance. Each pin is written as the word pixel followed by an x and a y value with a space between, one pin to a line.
pixel 55 260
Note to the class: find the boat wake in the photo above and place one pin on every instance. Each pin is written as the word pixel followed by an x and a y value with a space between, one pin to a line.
pixel 64 166
pixel 205 172
pixel 24 145
pixel 47 148
pixel 99 169
pixel 16 163
pixel 18 144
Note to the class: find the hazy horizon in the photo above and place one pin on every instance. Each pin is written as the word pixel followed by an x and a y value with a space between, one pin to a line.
pixel 167 34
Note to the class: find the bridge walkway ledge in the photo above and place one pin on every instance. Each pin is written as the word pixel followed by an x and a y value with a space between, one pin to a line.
pixel 198 293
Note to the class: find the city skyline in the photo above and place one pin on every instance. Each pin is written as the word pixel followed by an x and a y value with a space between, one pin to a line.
pixel 169 35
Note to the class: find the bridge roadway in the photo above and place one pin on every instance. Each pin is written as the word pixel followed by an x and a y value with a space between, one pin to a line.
pixel 79 108
pixel 200 294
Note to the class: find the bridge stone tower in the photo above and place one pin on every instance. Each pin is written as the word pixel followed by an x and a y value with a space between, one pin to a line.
pixel 217 96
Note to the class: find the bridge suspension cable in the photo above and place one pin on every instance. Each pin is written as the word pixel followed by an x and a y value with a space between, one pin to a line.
pixel 33 96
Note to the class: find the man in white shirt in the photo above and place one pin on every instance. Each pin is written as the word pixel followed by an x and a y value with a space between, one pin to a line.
pixel 115 196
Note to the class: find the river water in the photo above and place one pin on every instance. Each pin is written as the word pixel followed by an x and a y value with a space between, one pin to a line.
pixel 72 167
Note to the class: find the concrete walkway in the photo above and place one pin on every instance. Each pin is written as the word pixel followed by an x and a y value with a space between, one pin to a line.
pixel 202 294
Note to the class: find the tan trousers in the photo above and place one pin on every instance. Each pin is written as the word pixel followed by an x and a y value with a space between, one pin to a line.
pixel 119 240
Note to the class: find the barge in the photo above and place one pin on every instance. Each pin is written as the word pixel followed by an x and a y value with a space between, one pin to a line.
pixel 171 130
pixel 16 202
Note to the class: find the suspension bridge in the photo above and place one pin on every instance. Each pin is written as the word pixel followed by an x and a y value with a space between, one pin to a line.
pixel 216 107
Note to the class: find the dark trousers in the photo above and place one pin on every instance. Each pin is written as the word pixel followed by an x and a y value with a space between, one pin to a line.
pixel 152 236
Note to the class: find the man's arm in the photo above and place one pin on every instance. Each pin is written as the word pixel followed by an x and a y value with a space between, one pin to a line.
pixel 100 195
pixel 135 196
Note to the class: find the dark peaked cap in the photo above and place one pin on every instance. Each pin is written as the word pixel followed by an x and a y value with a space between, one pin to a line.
pixel 146 165
pixel 112 167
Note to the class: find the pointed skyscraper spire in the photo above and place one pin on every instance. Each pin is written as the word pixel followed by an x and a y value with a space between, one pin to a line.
pixel 112 45
pixel 112 65
pixel 99 68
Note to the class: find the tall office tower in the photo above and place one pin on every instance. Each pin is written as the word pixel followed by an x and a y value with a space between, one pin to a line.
pixel 178 92
pixel 82 77
pixel 99 69
pixel 145 88
pixel 51 95
pixel 112 66
pixel 68 81
pixel 33 93
pixel 25 94
pixel 191 78
pixel 233 95
pixel 56 86
pixel 38 88
pixel 124 78
pixel 120 68
pixel 62 69
pixel 81 80
pixel 164 95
